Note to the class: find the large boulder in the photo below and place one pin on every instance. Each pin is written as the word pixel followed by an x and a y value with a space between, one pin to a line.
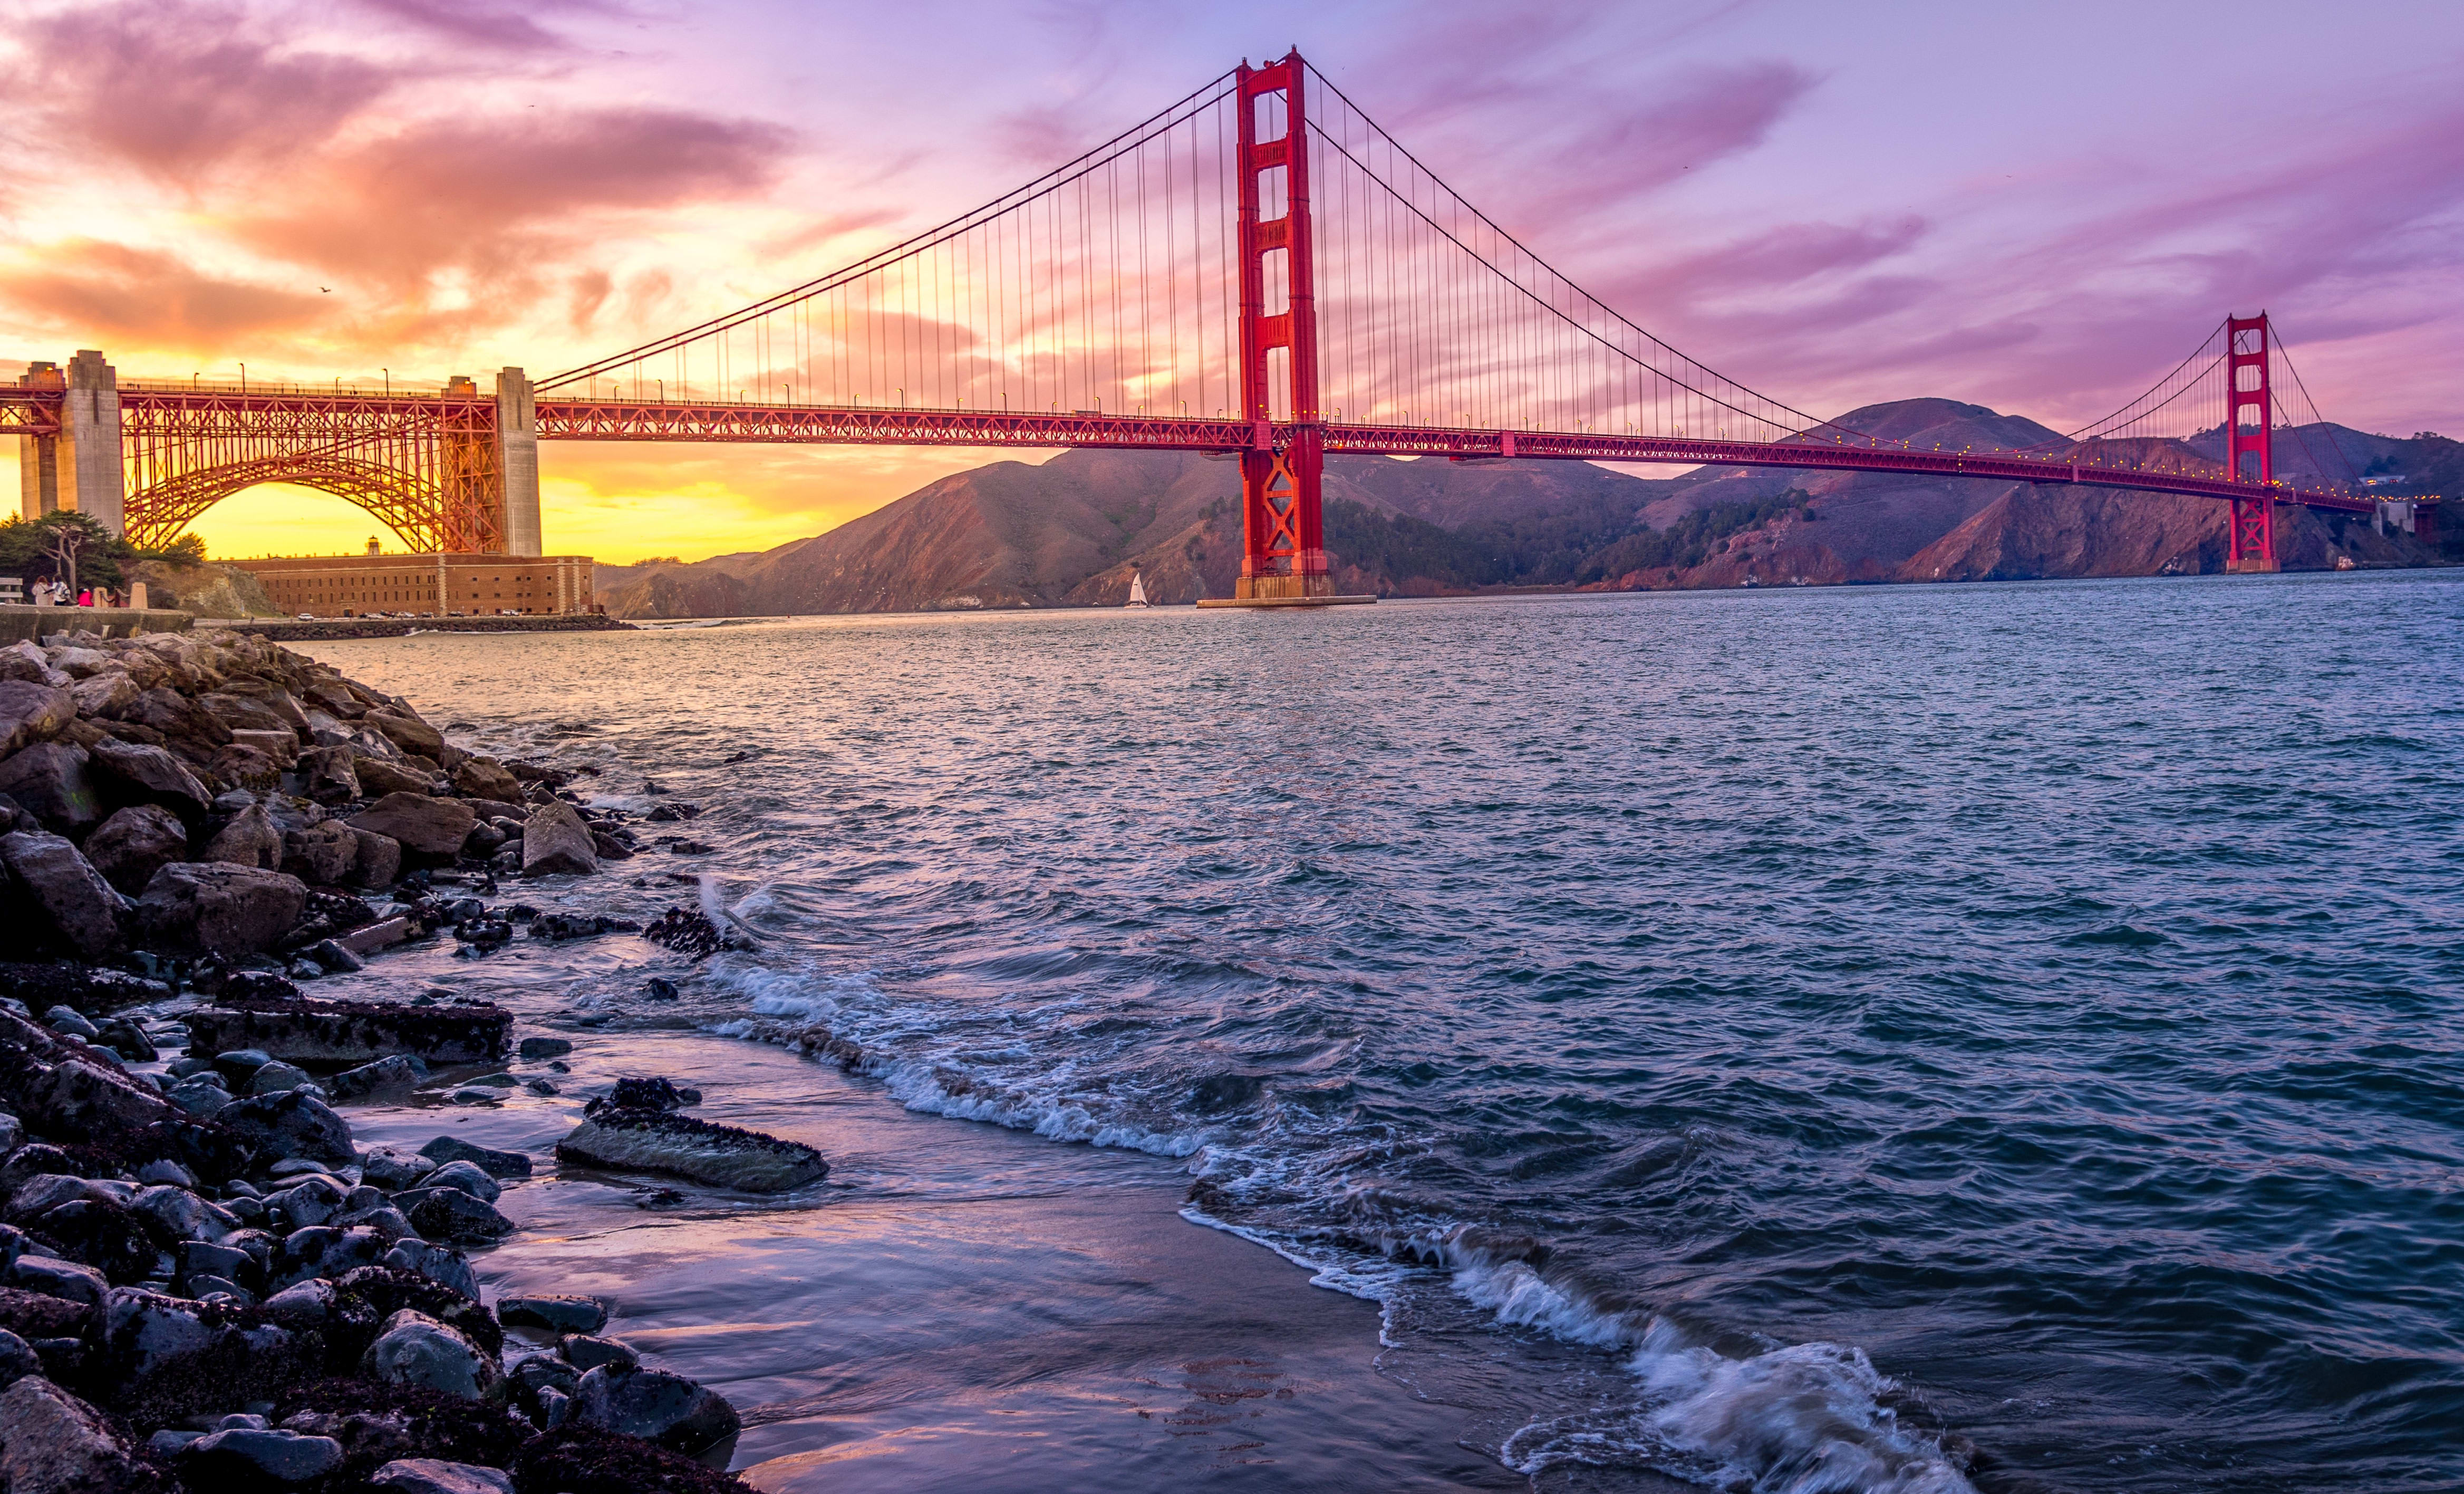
pixel 251 1457
pixel 248 767
pixel 51 1442
pixel 85 914
pixel 289 1123
pixel 485 777
pixel 243 713
pixel 105 694
pixel 164 1357
pixel 655 1405
pixel 219 908
pixel 251 838
pixel 320 854
pixel 330 775
pixel 300 1029
pixel 66 1089
pixel 136 842
pixel 435 1476
pixel 415 1349
pixel 129 772
pixel 377 859
pixel 407 733
pixel 555 839
pixel 280 746
pixel 31 710
pixel 49 782
pixel 432 828
pixel 721 1156
pixel 383 776
pixel 24 660
pixel 188 728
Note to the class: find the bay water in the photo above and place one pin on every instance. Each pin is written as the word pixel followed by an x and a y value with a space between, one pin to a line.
pixel 1999 1036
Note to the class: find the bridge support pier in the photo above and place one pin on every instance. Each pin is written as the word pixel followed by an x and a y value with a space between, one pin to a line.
pixel 518 461
pixel 79 468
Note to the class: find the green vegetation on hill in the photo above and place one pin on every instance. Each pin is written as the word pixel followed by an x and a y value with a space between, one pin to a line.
pixel 71 548
pixel 1596 540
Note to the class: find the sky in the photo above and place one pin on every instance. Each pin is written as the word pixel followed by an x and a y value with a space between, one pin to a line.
pixel 2039 208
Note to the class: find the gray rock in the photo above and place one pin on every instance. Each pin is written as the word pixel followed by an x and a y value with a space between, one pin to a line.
pixel 270 1455
pixel 654 1405
pixel 291 1123
pixel 69 1020
pixel 544 1048
pixel 378 861
pixel 379 775
pixel 303 1304
pixel 251 838
pixel 432 827
pixel 329 775
pixel 496 1164
pixel 321 854
pixel 199 1098
pixel 336 959
pixel 132 772
pixel 181 1215
pixel 17 1359
pixel 451 1214
pixel 276 1077
pixel 315 1201
pixel 54 1443
pixel 584 1351
pixel 220 909
pixel 206 1258
pixel 389 1169
pixel 239 1065
pixel 49 780
pixel 136 842
pixel 30 712
pixel 84 914
pixel 12 1133
pixel 395 1071
pixel 722 1156
pixel 325 1250
pixel 555 839
pixel 440 1263
pixel 470 1177
pixel 557 1312
pixel 162 1358
pixel 103 695
pixel 65 1279
pixel 166 1171
pixel 415 1349
pixel 405 731
pixel 433 1476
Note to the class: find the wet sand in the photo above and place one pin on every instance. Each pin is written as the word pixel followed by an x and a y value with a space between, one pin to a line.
pixel 957 1307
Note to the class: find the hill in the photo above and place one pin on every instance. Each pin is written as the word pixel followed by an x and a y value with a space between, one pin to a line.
pixel 1071 531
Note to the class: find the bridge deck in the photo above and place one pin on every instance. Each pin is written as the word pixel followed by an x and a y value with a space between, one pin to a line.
pixel 200 411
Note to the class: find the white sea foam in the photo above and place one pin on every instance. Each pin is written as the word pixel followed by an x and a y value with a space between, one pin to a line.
pixel 1808 1418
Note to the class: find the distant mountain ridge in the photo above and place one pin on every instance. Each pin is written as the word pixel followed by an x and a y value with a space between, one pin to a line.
pixel 1071 531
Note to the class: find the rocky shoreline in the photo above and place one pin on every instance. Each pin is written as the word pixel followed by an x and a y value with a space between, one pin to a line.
pixel 205 1285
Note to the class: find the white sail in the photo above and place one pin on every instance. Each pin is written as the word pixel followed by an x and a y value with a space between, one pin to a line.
pixel 1138 590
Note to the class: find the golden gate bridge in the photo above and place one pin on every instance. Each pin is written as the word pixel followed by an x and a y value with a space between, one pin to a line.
pixel 1258 270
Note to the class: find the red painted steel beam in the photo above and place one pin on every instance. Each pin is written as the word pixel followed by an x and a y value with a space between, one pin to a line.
pixel 628 420
pixel 1426 441
pixel 163 408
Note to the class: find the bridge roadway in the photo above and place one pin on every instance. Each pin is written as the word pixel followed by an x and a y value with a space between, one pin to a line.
pixel 346 416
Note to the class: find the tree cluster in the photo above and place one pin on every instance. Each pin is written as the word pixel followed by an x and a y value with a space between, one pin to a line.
pixel 70 548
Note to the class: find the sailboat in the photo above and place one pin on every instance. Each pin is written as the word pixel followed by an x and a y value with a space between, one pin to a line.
pixel 1138 591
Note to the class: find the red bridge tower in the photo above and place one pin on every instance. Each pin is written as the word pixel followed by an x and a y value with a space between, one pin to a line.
pixel 2253 518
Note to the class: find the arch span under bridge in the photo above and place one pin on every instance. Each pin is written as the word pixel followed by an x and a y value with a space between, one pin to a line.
pixel 1257 270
